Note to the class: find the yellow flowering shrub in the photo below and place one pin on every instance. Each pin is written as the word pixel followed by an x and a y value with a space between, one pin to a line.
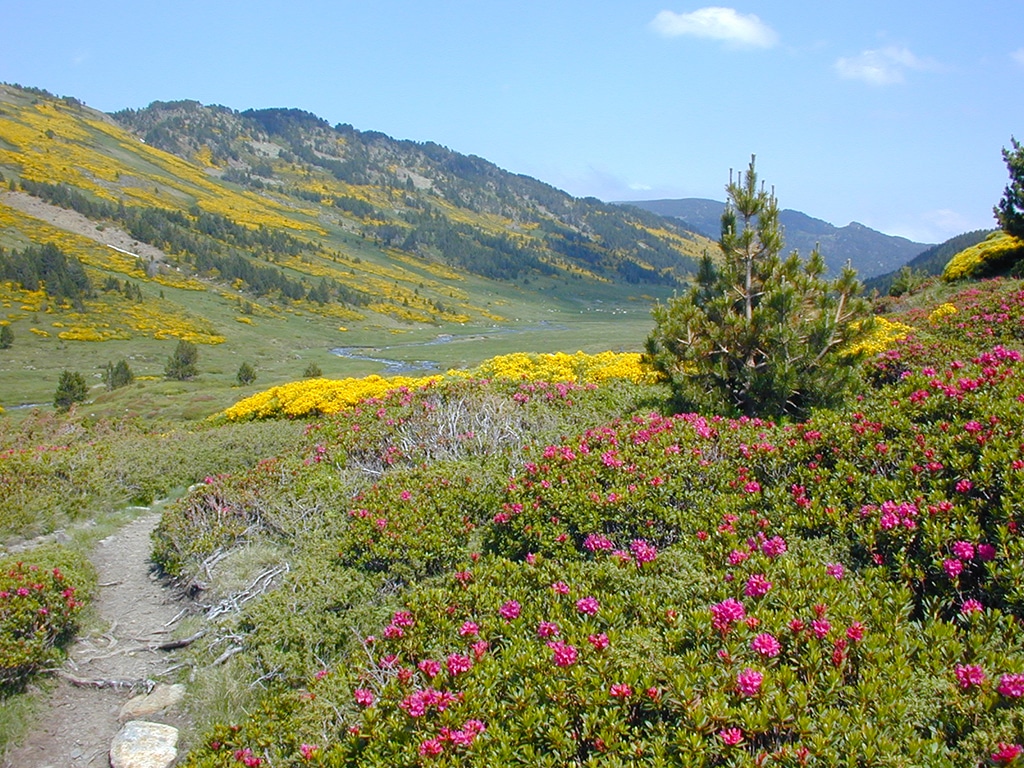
pixel 886 333
pixel 311 397
pixel 978 259
pixel 580 368
pixel 941 311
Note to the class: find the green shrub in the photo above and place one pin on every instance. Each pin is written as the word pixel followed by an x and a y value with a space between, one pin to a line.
pixel 41 597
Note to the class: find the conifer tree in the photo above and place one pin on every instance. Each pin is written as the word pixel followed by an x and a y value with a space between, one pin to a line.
pixel 246 374
pixel 758 335
pixel 181 366
pixel 1010 210
pixel 71 388
pixel 6 337
pixel 119 375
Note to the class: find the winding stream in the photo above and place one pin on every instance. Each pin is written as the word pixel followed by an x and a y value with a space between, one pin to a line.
pixel 393 367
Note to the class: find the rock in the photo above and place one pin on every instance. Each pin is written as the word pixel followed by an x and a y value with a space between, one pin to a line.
pixel 140 744
pixel 161 698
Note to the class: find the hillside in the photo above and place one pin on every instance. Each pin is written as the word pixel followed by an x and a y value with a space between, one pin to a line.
pixel 270 235
pixel 870 252
pixel 930 262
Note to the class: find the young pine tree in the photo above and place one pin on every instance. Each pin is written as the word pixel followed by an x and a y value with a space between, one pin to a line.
pixel 181 366
pixel 756 334
pixel 119 375
pixel 246 374
pixel 71 388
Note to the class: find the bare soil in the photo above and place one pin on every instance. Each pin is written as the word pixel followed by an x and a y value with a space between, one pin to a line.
pixel 135 614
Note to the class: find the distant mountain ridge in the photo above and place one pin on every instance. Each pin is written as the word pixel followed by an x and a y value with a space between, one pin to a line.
pixel 870 252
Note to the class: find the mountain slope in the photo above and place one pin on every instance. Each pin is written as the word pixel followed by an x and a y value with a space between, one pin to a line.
pixel 871 253
pixel 271 234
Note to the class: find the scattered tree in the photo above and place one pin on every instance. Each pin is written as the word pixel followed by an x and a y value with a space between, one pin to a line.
pixel 181 366
pixel 6 337
pixel 70 389
pixel 1010 210
pixel 246 374
pixel 757 335
pixel 312 371
pixel 118 375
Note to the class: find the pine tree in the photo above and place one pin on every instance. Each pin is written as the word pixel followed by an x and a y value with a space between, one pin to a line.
pixel 1010 210
pixel 758 335
pixel 117 376
pixel 246 374
pixel 70 389
pixel 181 366
pixel 6 337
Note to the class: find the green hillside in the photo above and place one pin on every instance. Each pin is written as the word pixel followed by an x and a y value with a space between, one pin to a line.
pixel 272 238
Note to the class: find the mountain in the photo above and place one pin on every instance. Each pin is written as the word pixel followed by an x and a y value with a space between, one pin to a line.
pixel 930 262
pixel 272 234
pixel 871 253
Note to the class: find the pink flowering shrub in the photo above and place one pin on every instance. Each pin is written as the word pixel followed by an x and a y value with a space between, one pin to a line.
pixel 668 590
pixel 40 602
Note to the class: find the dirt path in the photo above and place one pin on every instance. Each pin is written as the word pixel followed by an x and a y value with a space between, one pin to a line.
pixel 78 722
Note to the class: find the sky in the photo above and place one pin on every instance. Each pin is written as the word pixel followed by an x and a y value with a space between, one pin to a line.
pixel 891 113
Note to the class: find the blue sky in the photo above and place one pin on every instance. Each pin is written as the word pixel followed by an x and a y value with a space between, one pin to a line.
pixel 887 112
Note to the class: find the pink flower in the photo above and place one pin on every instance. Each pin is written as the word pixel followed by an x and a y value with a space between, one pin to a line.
pixel 970 606
pixel 393 632
pixel 963 549
pixel 821 628
pixel 774 547
pixel 953 567
pixel 510 610
pixel 969 675
pixel 600 642
pixel 757 585
pixel 363 696
pixel 766 645
pixel 431 747
pixel 588 605
pixel 595 542
pixel 730 736
pixel 737 556
pixel 430 668
pixel 547 629
pixel 986 552
pixel 643 551
pixel 964 486
pixel 564 655
pixel 469 629
pixel 620 691
pixel 855 632
pixel 748 682
pixel 560 588
pixel 308 751
pixel 479 649
pixel 1011 686
pixel 835 570
pixel 725 613
pixel 457 664
pixel 1006 753
pixel 752 487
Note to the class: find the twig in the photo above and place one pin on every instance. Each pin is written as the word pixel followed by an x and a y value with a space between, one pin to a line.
pixel 172 644
pixel 227 655
pixel 81 682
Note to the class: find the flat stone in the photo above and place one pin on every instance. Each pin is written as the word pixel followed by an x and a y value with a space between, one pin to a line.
pixel 160 699
pixel 140 744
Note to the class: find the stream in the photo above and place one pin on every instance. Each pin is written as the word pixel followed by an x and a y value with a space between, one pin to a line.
pixel 394 367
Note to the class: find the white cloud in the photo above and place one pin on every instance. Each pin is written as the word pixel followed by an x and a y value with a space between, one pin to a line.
pixel 883 66
pixel 1018 56
pixel 718 24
